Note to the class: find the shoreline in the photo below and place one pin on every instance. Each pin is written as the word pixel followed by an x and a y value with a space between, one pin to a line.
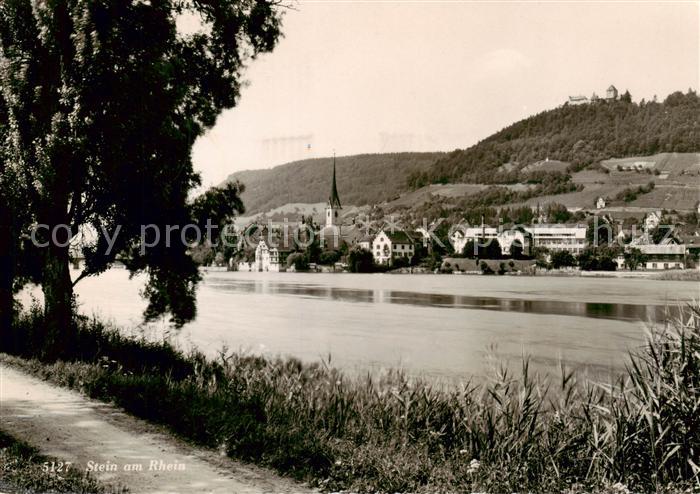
pixel 660 274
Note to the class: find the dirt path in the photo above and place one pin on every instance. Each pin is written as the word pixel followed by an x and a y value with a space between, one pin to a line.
pixel 71 427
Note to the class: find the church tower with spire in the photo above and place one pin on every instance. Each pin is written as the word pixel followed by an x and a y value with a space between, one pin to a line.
pixel 333 207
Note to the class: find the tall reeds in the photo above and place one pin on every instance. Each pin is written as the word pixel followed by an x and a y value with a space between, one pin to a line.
pixel 393 433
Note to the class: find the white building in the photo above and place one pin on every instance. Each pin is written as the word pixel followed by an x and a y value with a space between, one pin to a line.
pixel 461 236
pixel 267 258
pixel 611 93
pixel 366 243
pixel 578 100
pixel 555 237
pixel 600 203
pixel 664 256
pixel 552 236
pixel 387 246
pixel 506 238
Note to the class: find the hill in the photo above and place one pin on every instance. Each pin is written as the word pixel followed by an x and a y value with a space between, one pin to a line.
pixel 362 179
pixel 581 135
pixel 570 155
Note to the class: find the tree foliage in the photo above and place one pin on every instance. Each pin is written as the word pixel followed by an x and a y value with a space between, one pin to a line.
pixel 483 249
pixel 600 231
pixel 104 102
pixel 630 194
pixel 598 259
pixel 634 258
pixel 563 259
pixel 360 260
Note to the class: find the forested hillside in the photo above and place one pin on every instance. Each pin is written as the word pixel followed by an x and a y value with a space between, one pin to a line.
pixel 541 151
pixel 580 135
pixel 362 179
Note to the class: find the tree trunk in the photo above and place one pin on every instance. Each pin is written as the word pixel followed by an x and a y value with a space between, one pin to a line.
pixel 7 265
pixel 58 303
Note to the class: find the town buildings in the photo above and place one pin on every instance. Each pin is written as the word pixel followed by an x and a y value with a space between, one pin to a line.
pixel 554 237
pixel 507 238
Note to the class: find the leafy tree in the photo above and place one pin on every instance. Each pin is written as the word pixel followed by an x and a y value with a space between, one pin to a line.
pixel 597 259
pixel 492 250
pixel 485 268
pixel 203 254
pixel 563 259
pixel 516 251
pixel 313 251
pixel 399 262
pixel 502 268
pixel 665 231
pixel 557 213
pixel 470 250
pixel 299 261
pixel 629 194
pixel 487 249
pixel 360 261
pixel 14 218
pixel 432 262
pixel 444 246
pixel 634 258
pixel 104 102
pixel 420 252
pixel 329 257
pixel 600 231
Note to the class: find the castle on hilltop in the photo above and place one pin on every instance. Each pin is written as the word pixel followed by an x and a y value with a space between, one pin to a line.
pixel 611 94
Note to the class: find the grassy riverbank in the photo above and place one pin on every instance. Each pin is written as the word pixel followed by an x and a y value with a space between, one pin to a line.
pixel 678 275
pixel 394 434
pixel 23 469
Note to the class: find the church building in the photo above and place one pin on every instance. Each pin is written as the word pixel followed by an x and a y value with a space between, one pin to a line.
pixel 330 234
pixel 333 207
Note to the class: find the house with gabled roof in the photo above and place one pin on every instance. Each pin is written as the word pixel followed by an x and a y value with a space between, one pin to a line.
pixel 392 244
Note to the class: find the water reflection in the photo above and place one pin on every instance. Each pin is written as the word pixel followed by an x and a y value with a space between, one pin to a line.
pixel 597 310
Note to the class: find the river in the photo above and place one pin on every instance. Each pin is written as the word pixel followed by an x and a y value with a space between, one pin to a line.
pixel 443 327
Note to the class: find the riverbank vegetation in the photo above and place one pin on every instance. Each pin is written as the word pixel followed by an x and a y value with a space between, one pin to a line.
pixel 392 433
pixel 22 467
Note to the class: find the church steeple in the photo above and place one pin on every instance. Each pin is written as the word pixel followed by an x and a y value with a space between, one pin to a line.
pixel 334 200
pixel 333 205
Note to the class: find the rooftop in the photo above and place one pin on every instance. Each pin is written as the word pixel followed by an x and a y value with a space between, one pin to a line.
pixel 398 237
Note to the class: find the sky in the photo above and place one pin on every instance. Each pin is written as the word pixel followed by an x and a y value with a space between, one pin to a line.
pixel 369 77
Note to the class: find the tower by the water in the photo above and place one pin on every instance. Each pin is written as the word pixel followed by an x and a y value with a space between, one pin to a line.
pixel 333 207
